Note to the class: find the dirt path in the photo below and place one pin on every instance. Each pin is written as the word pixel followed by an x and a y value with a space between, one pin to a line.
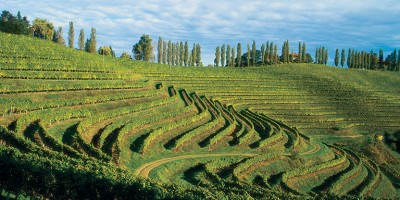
pixel 144 170
pixel 340 136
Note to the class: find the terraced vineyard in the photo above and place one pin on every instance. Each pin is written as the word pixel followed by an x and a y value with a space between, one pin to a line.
pixel 212 133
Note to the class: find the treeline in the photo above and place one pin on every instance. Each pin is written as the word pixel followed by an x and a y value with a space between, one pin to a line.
pixel 177 53
pixel 266 55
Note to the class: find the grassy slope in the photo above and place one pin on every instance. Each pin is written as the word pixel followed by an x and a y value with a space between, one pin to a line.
pixel 317 99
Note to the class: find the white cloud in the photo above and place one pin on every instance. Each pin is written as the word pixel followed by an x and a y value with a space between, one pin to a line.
pixel 333 23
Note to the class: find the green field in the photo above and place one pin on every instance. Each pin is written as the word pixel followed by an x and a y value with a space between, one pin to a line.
pixel 78 125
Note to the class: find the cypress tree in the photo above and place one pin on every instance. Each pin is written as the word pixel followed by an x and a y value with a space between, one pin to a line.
pixel 300 54
pixel 262 53
pixel 248 55
pixel 198 55
pixel 160 50
pixel 239 55
pixel 317 55
pixel 169 57
pixel 303 53
pixel 337 57
pixel 164 54
pixel 186 56
pixel 71 34
pixel 217 56
pixel 81 42
pixel 93 41
pixel 228 55
pixel 343 58
pixel 233 61
pixel 254 53
pixel 223 55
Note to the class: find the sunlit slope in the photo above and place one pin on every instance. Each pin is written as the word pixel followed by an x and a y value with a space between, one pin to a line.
pixel 314 98
pixel 209 131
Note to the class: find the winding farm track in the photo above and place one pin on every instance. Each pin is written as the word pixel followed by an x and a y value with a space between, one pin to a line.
pixel 340 136
pixel 144 170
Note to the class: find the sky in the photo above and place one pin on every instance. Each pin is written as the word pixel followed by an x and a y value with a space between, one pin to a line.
pixel 359 24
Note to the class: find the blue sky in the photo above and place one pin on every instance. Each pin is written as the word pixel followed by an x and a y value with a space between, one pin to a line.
pixel 360 24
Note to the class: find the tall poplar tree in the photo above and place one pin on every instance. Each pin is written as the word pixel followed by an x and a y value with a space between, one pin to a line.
pixel 223 55
pixel 300 55
pixel 173 54
pixel 239 55
pixel 186 56
pixel 181 53
pixel 248 55
pixel 198 57
pixel 169 57
pixel 217 56
pixel 349 58
pixel 194 55
pixel 326 57
pixel 303 52
pixel 177 53
pixel 398 62
pixel 81 42
pixel 93 41
pixel 164 55
pixel 343 58
pixel 228 55
pixel 233 59
pixel 337 57
pixel 266 56
pixel 262 53
pixel 71 35
pixel 253 53
pixel 87 45
pixel 275 57
pixel 380 59
pixel 160 50
pixel 271 53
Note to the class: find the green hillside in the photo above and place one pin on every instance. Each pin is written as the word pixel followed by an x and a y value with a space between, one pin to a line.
pixel 79 125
